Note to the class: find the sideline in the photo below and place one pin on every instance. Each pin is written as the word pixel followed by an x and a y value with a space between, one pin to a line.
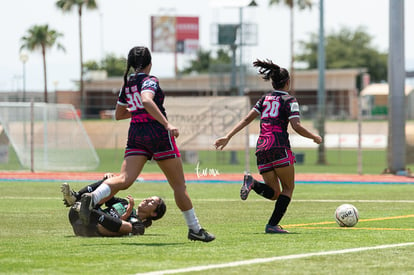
pixel 273 259
pixel 22 176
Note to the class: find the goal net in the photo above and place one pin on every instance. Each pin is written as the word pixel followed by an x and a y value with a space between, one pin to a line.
pixel 47 137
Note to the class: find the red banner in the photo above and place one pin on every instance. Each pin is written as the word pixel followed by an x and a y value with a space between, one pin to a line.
pixel 186 28
pixel 174 34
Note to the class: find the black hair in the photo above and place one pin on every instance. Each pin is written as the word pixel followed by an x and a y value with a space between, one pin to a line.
pixel 160 211
pixel 138 58
pixel 271 71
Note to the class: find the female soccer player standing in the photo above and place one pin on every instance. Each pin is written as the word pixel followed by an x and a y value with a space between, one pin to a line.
pixel 274 156
pixel 150 136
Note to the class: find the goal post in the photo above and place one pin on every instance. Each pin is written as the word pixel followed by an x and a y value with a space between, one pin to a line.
pixel 48 137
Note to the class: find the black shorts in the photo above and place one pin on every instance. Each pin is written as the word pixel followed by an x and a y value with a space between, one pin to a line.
pixel 274 158
pixel 152 140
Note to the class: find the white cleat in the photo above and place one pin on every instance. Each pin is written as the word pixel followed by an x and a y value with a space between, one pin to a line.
pixel 69 198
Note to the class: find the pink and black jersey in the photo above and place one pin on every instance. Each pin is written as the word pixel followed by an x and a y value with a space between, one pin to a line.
pixel 276 109
pixel 146 136
pixel 131 96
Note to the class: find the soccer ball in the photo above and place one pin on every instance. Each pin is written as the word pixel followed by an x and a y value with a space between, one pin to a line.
pixel 346 215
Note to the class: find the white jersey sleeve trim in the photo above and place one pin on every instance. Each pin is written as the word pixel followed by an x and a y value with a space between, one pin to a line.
pixel 121 103
pixel 148 91
pixel 294 116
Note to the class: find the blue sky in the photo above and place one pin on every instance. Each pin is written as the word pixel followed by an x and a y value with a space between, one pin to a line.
pixel 119 25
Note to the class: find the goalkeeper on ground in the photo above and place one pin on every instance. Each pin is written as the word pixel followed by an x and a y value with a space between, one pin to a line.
pixel 118 218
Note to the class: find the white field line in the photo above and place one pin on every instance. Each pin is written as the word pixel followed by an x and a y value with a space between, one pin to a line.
pixel 368 201
pixel 273 259
pixel 316 201
pixel 232 200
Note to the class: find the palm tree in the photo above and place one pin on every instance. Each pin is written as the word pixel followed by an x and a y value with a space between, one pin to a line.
pixel 302 4
pixel 43 38
pixel 67 6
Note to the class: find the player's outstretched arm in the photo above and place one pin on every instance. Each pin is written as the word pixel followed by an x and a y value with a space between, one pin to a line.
pixel 220 143
pixel 297 126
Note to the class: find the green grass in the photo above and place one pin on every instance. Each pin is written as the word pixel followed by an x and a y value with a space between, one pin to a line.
pixel 337 161
pixel 36 237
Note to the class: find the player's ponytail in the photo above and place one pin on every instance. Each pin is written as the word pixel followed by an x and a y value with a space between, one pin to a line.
pixel 272 71
pixel 126 77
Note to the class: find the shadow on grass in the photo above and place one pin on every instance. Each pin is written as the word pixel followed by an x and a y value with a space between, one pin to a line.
pixel 135 240
pixel 154 244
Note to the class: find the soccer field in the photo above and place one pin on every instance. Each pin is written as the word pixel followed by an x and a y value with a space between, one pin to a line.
pixel 36 237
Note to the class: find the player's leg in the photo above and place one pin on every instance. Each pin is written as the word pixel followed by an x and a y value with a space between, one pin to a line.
pixel 269 189
pixel 78 227
pixel 271 186
pixel 135 157
pixel 287 179
pixel 131 168
pixel 71 196
pixel 173 170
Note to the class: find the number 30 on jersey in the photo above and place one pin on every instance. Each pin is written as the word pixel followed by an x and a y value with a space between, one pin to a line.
pixel 134 99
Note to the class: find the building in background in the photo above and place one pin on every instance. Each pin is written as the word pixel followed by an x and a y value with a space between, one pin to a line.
pixel 375 100
pixel 340 88
pixel 341 93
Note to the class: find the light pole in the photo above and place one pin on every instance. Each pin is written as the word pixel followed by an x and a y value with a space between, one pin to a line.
pixel 396 98
pixel 23 58
pixel 321 85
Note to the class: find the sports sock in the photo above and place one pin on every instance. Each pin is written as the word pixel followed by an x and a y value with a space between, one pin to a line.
pixel 88 189
pixel 280 209
pixel 100 193
pixel 111 223
pixel 191 220
pixel 263 189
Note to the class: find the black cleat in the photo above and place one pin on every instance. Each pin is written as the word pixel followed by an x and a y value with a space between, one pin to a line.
pixel 85 208
pixel 275 229
pixel 247 186
pixel 202 236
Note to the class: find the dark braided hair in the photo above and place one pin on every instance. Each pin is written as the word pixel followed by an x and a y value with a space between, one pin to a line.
pixel 160 210
pixel 271 71
pixel 138 58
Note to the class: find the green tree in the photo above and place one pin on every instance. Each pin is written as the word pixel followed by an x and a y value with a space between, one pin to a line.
pixel 223 57
pixel 204 59
pixel 347 49
pixel 91 65
pixel 115 66
pixel 112 64
pixel 40 37
pixel 302 4
pixel 67 6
